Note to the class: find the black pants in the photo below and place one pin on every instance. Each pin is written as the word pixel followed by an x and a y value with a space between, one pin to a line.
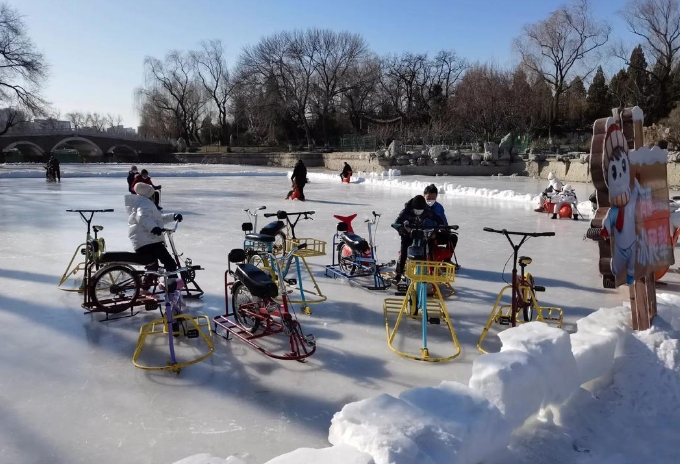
pixel 157 252
pixel 403 254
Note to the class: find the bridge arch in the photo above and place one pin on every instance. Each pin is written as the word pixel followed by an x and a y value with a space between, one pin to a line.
pixel 83 145
pixel 35 149
pixel 122 145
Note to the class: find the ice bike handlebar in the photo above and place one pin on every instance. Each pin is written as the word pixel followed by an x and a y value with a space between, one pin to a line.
pixel 89 210
pixel 284 214
pixel 524 234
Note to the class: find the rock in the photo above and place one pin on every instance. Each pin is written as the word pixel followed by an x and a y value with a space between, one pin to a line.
pixel 381 152
pixel 563 158
pixel 395 148
pixel 674 157
pixel 436 150
pixel 487 157
pixel 486 163
pixel 584 158
pixel 465 160
pixel 454 154
pixel 491 148
pixel 537 157
pixel 476 147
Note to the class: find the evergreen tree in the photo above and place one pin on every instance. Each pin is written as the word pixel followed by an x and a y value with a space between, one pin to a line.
pixel 575 108
pixel 622 90
pixel 638 78
pixel 599 97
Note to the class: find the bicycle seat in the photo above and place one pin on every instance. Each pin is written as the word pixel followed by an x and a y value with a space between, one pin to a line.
pixel 524 260
pixel 125 257
pixel 273 228
pixel 354 241
pixel 265 238
pixel 258 282
pixel 98 228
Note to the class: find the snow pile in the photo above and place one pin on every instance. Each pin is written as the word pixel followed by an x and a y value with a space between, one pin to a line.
pixel 630 414
pixel 449 423
pixel 66 172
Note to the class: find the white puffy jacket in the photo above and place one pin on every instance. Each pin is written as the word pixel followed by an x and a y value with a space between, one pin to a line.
pixel 143 216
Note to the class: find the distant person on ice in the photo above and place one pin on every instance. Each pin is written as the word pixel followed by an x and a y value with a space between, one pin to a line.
pixel 299 180
pixel 131 178
pixel 346 172
pixel 555 186
pixel 144 178
pixel 53 164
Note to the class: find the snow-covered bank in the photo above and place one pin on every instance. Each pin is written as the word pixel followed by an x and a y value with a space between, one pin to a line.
pixel 547 393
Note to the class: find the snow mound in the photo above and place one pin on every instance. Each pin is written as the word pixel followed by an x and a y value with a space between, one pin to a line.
pixel 341 454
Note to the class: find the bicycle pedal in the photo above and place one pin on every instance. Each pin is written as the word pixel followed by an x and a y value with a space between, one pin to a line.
pixel 504 320
pixel 310 340
pixel 402 287
pixel 192 333
pixel 291 281
pixel 539 288
pixel 434 320
pixel 307 310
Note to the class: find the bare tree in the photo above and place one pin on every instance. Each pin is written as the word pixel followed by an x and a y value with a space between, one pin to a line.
pixel 558 47
pixel 657 24
pixel 337 54
pixel 22 72
pixel 214 74
pixel 76 118
pixel 360 94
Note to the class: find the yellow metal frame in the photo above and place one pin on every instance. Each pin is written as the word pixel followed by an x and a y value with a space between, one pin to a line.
pixel 439 273
pixel 72 270
pixel 159 326
pixel 314 247
pixel 543 313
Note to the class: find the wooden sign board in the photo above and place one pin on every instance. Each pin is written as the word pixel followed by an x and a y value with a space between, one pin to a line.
pixel 633 208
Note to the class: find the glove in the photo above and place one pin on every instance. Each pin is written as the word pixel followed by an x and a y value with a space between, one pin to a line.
pixel 177 217
pixel 158 187
pixel 157 231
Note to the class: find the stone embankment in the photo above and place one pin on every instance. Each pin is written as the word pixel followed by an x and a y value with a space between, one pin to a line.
pixel 567 170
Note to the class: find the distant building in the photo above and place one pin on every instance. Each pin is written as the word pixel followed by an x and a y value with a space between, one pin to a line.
pixel 50 124
pixel 120 129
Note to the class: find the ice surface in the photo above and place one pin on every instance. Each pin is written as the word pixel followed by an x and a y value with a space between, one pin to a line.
pixel 340 454
pixel 70 392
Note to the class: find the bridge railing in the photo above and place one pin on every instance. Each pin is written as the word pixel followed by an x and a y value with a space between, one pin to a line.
pixel 19 131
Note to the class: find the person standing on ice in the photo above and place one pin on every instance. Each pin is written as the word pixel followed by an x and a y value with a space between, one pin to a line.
pixel 132 173
pixel 417 213
pixel 299 179
pixel 145 228
pixel 346 171
pixel 554 187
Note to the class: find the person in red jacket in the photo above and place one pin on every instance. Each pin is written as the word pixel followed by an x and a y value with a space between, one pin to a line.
pixel 143 177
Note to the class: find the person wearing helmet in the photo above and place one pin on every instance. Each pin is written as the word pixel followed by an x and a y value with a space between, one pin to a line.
pixel 555 186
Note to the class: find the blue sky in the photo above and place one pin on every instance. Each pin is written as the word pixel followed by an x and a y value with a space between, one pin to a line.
pixel 96 48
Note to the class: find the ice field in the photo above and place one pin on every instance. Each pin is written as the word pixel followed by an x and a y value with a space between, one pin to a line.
pixel 70 394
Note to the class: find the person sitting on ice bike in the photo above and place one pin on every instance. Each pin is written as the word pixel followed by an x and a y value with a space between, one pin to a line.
pixel 145 228
pixel 431 193
pixel 555 186
pixel 416 213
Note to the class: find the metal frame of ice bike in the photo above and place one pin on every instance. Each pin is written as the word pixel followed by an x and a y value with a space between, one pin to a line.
pixel 523 294
pixel 314 247
pixel 169 324
pixel 416 304
pixel 262 307
pixel 91 249
pixel 115 287
pixel 362 261
pixel 274 229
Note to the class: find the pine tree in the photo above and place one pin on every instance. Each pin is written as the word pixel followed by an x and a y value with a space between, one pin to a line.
pixel 599 98
pixel 621 89
pixel 638 78
pixel 575 109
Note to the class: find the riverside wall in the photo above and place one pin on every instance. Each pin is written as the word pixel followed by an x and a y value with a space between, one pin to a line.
pixel 574 171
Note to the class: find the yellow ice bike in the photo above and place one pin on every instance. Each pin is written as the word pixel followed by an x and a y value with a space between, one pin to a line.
pixel 523 292
pixel 423 273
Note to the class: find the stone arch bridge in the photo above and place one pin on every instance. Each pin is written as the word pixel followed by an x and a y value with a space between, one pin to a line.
pixel 91 145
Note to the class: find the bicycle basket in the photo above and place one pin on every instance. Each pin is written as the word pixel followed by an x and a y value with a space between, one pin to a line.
pixel 430 271
pixel 314 247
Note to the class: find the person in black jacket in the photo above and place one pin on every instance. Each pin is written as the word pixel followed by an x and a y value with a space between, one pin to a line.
pixel 299 179
pixel 131 178
pixel 346 171
pixel 53 163
pixel 416 212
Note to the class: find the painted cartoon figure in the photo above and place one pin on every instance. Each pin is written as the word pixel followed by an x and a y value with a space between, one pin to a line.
pixel 620 219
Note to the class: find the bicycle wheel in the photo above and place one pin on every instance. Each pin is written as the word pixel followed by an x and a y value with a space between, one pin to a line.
pixel 114 289
pixel 263 263
pixel 528 307
pixel 240 295
pixel 346 259
pixel 280 247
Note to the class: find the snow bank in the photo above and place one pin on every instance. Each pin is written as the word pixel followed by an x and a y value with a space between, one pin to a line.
pixel 66 173
pixel 450 423
pixel 538 366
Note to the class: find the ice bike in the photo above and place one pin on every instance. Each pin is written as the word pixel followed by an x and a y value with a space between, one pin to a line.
pixel 562 204
pixel 523 291
pixel 356 257
pixel 91 250
pixel 173 323
pixel 422 273
pixel 262 251
pixel 116 286
pixel 255 310
pixel 255 243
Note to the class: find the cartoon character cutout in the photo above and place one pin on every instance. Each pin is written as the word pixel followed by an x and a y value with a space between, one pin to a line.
pixel 619 222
